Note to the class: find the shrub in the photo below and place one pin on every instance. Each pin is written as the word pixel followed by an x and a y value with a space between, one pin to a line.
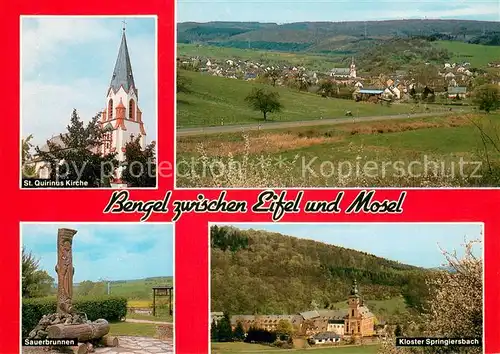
pixel 111 308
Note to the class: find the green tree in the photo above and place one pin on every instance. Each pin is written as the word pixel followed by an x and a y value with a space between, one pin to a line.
pixel 35 282
pixel 487 97
pixel 239 332
pixel 78 157
pixel 214 331
pixel 284 329
pixel 398 331
pixel 327 88
pixel 140 165
pixel 28 170
pixel 225 333
pixel 85 287
pixel 264 101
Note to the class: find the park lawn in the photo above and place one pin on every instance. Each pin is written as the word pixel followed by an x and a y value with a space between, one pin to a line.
pixel 477 54
pixel 217 101
pixel 163 317
pixel 132 329
pixel 446 140
pixel 239 347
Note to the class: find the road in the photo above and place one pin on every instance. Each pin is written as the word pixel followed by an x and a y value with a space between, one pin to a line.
pixel 307 123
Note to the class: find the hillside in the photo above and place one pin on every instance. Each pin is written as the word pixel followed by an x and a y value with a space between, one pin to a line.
pixel 330 36
pixel 214 100
pixel 268 273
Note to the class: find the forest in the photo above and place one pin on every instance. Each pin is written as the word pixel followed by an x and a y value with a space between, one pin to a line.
pixel 259 272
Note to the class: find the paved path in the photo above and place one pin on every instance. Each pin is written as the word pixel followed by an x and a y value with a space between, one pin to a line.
pixel 307 123
pixel 138 345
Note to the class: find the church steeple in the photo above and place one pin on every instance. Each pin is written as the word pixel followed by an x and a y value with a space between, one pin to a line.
pixel 122 74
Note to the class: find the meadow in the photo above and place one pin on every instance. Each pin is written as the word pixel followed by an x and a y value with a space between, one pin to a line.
pixel 476 54
pixel 221 101
pixel 331 154
pixel 240 347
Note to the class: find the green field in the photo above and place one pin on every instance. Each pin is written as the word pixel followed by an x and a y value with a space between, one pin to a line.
pixel 132 329
pixel 139 289
pixel 446 140
pixel 476 54
pixel 216 100
pixel 310 61
pixel 238 347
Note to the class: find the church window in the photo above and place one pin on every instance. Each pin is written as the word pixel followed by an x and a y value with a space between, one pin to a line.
pixel 110 109
pixel 353 313
pixel 131 110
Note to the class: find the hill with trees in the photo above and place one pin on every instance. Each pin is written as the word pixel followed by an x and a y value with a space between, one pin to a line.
pixel 259 272
pixel 331 36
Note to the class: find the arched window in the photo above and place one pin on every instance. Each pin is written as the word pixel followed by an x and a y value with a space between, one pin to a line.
pixel 110 109
pixel 131 110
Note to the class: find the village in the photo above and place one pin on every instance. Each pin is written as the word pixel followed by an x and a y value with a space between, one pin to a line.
pixel 448 81
pixel 353 325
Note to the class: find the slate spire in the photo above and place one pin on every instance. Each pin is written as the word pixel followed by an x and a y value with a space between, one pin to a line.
pixel 122 74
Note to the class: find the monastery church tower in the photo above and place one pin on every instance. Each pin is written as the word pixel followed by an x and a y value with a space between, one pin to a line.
pixel 122 117
pixel 352 69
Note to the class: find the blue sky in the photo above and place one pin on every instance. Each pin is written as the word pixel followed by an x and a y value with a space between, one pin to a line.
pixel 114 251
pixel 286 11
pixel 67 62
pixel 414 244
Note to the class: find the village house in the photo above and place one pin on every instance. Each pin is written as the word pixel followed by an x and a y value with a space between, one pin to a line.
pixel 457 90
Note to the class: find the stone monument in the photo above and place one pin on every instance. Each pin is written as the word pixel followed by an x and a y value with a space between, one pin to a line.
pixel 67 323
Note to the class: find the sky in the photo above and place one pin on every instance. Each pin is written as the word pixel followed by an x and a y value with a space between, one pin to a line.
pixel 414 244
pixel 67 62
pixel 113 251
pixel 286 11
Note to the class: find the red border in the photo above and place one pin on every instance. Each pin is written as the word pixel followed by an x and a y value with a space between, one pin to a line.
pixel 191 230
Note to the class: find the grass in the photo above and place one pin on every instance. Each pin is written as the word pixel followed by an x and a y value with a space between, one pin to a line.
pixel 132 329
pixel 139 289
pixel 163 317
pixel 476 54
pixel 238 347
pixel 217 100
pixel 446 140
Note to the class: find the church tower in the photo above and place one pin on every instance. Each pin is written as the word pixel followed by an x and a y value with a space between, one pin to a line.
pixel 353 320
pixel 122 117
pixel 352 69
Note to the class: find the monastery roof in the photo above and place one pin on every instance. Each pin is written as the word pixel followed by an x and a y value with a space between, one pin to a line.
pixel 122 74
pixel 326 335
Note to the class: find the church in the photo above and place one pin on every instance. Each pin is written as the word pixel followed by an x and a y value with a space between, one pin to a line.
pixel 121 118
pixel 354 321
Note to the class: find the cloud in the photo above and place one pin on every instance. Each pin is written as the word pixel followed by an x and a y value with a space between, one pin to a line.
pixel 117 251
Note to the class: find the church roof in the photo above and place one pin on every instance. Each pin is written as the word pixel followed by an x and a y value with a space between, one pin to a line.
pixel 122 74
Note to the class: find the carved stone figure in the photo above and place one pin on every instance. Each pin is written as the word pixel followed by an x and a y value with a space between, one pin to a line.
pixel 65 270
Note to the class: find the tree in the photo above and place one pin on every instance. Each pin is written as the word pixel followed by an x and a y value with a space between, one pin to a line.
pixel 273 75
pixel 284 329
pixel 140 165
pixel 214 331
pixel 264 101
pixel 239 332
pixel 35 282
pixel 85 287
pixel 78 157
pixel 327 88
pixel 225 333
pixel 398 331
pixel 487 97
pixel 28 170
